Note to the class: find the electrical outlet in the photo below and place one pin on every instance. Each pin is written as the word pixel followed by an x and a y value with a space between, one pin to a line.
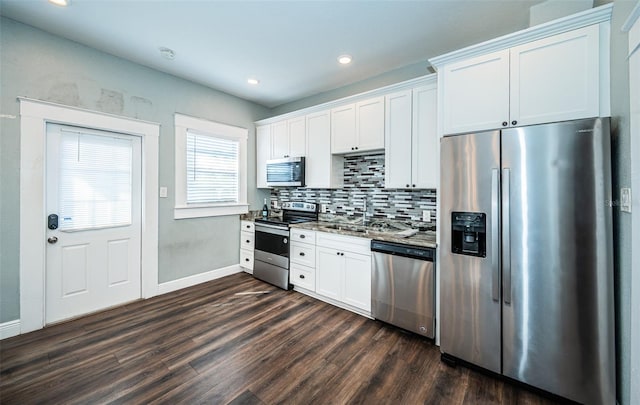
pixel 163 192
pixel 426 216
pixel 323 208
pixel 625 199
pixel 276 205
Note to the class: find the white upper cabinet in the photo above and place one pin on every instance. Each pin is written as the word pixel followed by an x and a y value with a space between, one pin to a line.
pixel 358 127
pixel 297 136
pixel 476 93
pixel 370 124
pixel 552 72
pixel 322 169
pixel 288 138
pixel 556 79
pixel 343 129
pixel 411 140
pixel 279 140
pixel 425 144
pixel 263 153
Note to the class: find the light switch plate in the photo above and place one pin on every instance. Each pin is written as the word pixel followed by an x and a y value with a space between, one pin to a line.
pixel 323 208
pixel 426 216
pixel 625 199
pixel 163 192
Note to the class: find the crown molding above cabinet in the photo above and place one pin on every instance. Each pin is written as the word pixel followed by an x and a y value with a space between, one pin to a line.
pixel 588 17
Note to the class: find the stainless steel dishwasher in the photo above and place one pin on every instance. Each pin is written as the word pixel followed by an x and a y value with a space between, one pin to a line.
pixel 403 286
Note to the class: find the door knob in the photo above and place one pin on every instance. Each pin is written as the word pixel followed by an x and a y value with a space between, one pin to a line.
pixel 52 240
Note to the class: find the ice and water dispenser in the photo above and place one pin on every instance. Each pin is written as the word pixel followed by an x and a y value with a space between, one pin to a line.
pixel 469 233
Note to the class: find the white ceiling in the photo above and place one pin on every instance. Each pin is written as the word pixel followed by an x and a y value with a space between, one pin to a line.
pixel 290 46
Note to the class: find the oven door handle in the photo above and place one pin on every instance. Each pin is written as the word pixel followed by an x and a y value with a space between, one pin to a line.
pixel 273 229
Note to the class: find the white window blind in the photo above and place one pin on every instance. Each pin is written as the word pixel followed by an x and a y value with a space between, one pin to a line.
pixel 95 181
pixel 213 165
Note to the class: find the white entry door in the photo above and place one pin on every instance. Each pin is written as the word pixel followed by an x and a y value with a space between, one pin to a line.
pixel 93 203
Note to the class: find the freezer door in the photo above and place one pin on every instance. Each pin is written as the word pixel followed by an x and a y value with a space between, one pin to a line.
pixel 558 319
pixel 469 281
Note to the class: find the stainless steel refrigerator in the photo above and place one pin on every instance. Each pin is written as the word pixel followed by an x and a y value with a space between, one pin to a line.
pixel 526 256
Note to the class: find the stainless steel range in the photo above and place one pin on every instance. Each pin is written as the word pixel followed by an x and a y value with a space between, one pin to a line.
pixel 271 255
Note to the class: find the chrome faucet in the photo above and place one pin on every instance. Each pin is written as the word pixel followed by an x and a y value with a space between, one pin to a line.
pixel 364 211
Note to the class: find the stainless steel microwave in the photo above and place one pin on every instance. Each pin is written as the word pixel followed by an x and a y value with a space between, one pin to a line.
pixel 285 172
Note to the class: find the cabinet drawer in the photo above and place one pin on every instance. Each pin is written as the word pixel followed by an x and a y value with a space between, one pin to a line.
pixel 247 226
pixel 344 243
pixel 246 259
pixel 303 236
pixel 303 276
pixel 303 254
pixel 246 240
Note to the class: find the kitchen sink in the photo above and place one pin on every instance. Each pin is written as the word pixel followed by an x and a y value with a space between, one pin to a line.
pixel 343 227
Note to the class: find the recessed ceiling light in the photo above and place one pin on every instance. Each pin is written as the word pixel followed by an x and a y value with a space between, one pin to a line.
pixel 167 53
pixel 253 81
pixel 344 59
pixel 62 3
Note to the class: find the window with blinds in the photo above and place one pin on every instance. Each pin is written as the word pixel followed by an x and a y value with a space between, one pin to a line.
pixel 213 165
pixel 95 180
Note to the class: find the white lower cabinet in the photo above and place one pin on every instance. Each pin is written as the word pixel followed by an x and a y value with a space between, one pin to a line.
pixel 302 259
pixel 247 232
pixel 343 269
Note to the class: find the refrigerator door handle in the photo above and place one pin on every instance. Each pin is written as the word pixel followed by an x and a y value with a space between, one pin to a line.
pixel 495 235
pixel 506 237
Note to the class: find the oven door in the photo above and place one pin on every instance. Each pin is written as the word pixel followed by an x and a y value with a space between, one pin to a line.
pixel 272 245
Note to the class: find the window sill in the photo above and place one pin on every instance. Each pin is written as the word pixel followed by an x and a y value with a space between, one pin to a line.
pixel 185 212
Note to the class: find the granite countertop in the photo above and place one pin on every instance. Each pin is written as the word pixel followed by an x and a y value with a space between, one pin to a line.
pixel 386 232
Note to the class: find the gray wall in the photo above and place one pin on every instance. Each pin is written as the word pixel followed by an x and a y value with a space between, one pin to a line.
pixel 621 178
pixel 385 79
pixel 38 65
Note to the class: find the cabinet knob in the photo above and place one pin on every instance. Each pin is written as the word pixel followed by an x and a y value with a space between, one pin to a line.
pixel 356 148
pixel 514 122
pixel 246 259
pixel 505 123
pixel 352 148
pixel 301 253
pixel 248 226
pixel 301 275
pixel 248 241
pixel 301 236
pixel 413 185
pixel 407 186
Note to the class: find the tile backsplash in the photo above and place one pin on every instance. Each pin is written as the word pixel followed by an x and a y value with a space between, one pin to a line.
pixel 364 180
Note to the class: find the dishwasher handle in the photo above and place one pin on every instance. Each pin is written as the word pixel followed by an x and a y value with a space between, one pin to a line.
pixel 399 249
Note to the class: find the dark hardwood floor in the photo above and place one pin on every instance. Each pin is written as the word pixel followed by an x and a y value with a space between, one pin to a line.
pixel 212 344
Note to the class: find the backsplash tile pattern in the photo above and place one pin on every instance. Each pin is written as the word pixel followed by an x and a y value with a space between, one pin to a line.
pixel 364 180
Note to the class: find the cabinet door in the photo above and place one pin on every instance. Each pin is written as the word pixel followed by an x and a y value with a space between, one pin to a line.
pixel 329 272
pixel 397 151
pixel 556 78
pixel 343 129
pixel 357 280
pixel 279 140
pixel 370 124
pixel 425 165
pixel 476 93
pixel 263 153
pixel 297 136
pixel 318 155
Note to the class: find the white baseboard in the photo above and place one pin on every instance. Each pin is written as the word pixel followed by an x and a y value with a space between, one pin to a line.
pixel 189 281
pixel 9 329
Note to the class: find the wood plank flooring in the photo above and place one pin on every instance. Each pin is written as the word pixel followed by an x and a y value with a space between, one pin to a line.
pixel 209 344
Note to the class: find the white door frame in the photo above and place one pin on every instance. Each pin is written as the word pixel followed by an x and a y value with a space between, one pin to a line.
pixel 34 115
pixel 632 27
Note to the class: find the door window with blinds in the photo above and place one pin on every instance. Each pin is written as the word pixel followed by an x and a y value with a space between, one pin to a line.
pixel 211 168
pixel 94 180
